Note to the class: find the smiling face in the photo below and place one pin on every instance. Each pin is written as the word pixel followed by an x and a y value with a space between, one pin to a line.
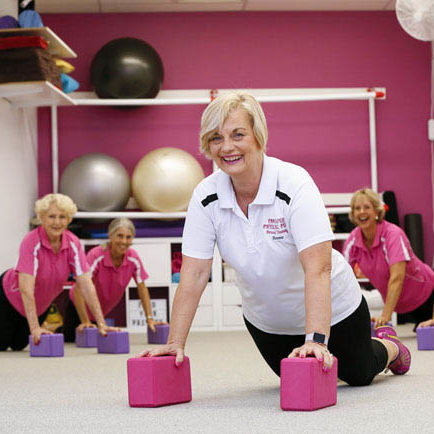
pixel 234 148
pixel 54 221
pixel 120 240
pixel 364 213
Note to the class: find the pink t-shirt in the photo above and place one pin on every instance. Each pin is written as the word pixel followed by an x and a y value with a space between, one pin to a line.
pixel 51 271
pixel 110 282
pixel 390 246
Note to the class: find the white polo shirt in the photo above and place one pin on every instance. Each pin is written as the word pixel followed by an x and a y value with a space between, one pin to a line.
pixel 286 217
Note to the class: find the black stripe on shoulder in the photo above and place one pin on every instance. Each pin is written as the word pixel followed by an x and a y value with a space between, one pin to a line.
pixel 283 196
pixel 209 199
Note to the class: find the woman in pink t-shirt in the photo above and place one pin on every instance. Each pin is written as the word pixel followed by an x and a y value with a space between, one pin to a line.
pixel 47 256
pixel 112 266
pixel 384 255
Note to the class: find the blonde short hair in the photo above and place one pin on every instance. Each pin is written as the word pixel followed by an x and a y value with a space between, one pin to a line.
pixel 63 202
pixel 375 200
pixel 121 222
pixel 218 110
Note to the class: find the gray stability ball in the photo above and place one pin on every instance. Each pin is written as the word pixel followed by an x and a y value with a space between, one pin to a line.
pixel 96 182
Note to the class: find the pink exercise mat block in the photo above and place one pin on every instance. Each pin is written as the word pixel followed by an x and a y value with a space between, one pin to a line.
pixel 114 343
pixel 49 346
pixel 157 381
pixel 305 386
pixel 87 339
pixel 425 338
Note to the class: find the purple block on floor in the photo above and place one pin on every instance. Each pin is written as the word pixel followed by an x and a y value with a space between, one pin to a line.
pixel 425 338
pixel 160 336
pixel 49 346
pixel 157 381
pixel 86 339
pixel 110 322
pixel 114 343
pixel 305 386
pixel 373 328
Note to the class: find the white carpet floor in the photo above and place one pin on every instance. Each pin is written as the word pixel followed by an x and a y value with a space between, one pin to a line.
pixel 234 391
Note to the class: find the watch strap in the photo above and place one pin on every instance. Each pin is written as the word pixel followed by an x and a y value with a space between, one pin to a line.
pixel 319 338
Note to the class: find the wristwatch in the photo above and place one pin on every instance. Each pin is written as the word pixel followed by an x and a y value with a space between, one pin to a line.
pixel 319 338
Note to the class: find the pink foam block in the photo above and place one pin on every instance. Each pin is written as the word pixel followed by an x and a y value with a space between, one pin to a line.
pixel 425 338
pixel 305 386
pixel 157 381
pixel 49 346
pixel 113 343
pixel 160 336
pixel 87 339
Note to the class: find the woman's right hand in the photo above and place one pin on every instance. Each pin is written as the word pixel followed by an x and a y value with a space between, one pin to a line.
pixel 85 325
pixel 168 349
pixel 37 332
pixel 429 323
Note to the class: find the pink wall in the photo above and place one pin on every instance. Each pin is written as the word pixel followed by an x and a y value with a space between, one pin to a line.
pixel 267 50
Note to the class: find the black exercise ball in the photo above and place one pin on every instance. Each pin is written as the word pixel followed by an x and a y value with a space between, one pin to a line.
pixel 127 68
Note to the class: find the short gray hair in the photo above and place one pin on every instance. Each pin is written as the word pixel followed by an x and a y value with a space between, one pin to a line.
pixel 121 222
pixel 63 202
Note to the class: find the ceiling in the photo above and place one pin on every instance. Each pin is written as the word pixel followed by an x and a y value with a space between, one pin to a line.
pixel 124 6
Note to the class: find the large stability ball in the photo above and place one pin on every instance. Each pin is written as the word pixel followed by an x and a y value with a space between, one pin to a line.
pixel 164 180
pixel 127 68
pixel 96 182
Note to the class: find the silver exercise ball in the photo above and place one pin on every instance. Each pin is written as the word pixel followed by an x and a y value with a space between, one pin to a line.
pixel 96 182
pixel 164 180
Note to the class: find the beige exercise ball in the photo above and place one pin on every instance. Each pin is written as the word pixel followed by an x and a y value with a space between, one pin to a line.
pixel 164 180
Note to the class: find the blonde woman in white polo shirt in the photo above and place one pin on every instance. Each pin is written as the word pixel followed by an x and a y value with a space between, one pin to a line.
pixel 300 297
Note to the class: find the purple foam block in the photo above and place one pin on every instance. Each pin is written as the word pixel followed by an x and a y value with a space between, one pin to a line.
pixel 8 22
pixel 305 386
pixel 49 346
pixel 114 343
pixel 425 338
pixel 86 339
pixel 160 336
pixel 110 322
pixel 373 328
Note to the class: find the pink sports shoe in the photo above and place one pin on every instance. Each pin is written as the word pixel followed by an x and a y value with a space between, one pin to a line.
pixel 402 362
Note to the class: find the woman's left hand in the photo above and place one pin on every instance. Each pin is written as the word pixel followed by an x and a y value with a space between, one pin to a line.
pixel 380 320
pixel 103 329
pixel 151 324
pixel 320 352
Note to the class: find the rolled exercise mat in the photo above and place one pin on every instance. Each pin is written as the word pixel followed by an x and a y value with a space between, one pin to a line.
pixel 414 230
pixel 392 211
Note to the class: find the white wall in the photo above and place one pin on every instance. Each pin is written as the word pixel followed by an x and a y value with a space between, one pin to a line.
pixel 18 178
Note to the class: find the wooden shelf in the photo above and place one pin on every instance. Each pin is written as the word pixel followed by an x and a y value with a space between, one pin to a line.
pixel 34 94
pixel 56 46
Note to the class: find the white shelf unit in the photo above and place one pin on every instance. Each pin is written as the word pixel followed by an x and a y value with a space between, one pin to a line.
pixel 56 46
pixel 220 306
pixel 34 94
pixel 37 93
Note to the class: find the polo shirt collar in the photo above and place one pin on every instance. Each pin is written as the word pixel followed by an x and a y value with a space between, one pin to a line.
pixel 359 236
pixel 46 242
pixel 108 259
pixel 267 187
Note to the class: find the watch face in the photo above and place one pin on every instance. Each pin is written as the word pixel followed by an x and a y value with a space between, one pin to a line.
pixel 319 337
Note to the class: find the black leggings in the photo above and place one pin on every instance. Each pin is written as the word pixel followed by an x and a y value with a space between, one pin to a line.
pixel 71 320
pixel 14 328
pixel 424 312
pixel 360 358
